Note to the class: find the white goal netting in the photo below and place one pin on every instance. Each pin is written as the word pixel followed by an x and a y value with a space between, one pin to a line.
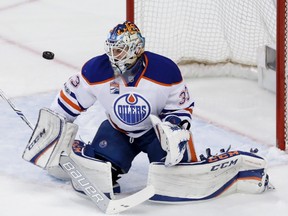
pixel 209 31
pixel 217 33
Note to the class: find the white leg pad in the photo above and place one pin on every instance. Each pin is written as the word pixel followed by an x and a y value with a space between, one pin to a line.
pixel 224 174
pixel 98 171
pixel 246 183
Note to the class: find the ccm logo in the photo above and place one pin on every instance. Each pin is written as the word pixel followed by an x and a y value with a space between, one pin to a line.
pixel 223 157
pixel 224 165
pixel 82 181
pixel 37 138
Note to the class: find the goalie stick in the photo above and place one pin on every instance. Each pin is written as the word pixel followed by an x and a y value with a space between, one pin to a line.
pixel 18 112
pixel 97 196
pixel 105 204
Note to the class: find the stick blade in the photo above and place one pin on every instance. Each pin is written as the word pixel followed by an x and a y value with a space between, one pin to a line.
pixel 116 206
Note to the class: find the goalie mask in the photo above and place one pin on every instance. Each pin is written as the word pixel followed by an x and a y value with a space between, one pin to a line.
pixel 124 46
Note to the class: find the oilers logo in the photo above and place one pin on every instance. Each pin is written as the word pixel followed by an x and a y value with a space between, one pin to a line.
pixel 131 108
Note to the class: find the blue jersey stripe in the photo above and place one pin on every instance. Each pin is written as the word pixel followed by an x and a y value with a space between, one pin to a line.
pixel 66 109
pixel 74 96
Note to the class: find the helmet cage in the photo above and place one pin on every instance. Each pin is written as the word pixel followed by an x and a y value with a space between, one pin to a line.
pixel 123 47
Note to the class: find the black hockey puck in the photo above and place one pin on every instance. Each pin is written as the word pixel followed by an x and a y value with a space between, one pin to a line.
pixel 48 55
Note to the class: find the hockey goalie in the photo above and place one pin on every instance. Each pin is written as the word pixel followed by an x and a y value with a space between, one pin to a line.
pixel 149 109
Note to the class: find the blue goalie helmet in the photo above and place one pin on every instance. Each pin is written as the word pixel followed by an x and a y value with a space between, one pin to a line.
pixel 124 45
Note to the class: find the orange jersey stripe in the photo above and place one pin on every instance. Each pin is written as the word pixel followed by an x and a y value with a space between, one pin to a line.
pixel 68 101
pixel 192 150
pixel 151 80
pixel 143 72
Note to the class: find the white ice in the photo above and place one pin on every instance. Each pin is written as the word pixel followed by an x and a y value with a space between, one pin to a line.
pixel 229 111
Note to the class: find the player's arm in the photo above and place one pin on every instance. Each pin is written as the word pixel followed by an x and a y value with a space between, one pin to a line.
pixel 173 128
pixel 74 98
pixel 179 107
pixel 54 131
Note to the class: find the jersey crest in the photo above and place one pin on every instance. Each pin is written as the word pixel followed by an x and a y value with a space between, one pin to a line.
pixel 131 108
pixel 114 88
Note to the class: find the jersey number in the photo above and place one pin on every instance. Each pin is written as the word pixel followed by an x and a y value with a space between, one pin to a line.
pixel 184 96
pixel 75 81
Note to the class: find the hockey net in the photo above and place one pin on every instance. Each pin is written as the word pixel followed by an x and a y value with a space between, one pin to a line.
pixel 213 32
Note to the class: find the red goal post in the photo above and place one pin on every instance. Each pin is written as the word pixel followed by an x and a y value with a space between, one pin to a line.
pixel 216 32
pixel 281 76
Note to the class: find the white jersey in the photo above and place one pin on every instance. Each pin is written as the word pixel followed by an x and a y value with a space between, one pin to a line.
pixel 157 88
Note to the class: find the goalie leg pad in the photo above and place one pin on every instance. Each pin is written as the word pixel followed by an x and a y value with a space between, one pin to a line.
pixel 96 170
pixel 253 170
pixel 221 175
pixel 52 135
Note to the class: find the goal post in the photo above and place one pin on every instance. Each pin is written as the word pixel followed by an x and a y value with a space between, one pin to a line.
pixel 281 75
pixel 215 32
pixel 130 10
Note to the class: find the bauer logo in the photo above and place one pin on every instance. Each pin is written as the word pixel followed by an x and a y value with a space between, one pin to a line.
pixel 131 108
pixel 82 182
